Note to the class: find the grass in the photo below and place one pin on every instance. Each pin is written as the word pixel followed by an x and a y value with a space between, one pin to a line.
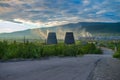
pixel 112 45
pixel 117 53
pixel 33 50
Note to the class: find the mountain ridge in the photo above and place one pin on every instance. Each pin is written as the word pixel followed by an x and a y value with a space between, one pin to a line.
pixel 79 29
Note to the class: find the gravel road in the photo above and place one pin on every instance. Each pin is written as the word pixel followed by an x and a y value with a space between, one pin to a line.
pixel 88 67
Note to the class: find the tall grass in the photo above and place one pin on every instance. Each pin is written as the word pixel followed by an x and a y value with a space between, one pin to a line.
pixel 34 50
pixel 117 53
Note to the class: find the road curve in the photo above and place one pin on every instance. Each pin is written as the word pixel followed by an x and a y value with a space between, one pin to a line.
pixel 88 67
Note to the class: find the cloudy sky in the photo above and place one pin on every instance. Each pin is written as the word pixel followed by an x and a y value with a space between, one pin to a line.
pixel 18 15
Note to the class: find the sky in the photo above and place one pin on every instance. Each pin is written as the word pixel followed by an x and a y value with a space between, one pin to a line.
pixel 16 15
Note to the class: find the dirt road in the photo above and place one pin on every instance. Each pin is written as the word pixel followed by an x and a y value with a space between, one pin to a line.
pixel 88 67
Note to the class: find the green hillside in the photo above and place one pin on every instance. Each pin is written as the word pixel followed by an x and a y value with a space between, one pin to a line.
pixel 79 29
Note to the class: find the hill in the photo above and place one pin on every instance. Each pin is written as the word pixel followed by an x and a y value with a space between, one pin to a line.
pixel 80 29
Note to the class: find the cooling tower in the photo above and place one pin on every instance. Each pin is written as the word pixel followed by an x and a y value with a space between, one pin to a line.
pixel 51 39
pixel 69 38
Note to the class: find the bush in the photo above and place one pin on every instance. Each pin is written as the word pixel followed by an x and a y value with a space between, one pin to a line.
pixel 90 49
pixel 116 55
pixel 35 50
pixel 3 48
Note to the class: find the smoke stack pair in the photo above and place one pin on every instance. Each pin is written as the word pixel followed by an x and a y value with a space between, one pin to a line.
pixel 69 38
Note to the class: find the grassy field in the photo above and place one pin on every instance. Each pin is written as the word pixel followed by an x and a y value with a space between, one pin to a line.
pixel 34 50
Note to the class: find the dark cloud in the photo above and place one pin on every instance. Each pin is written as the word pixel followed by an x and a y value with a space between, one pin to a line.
pixel 61 10
pixel 26 6
pixel 4 5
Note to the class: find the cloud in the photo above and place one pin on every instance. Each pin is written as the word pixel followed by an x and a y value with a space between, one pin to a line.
pixel 1 20
pixel 6 26
pixel 101 12
pixel 4 5
pixel 59 12
pixel 29 23
pixel 86 2
pixel 41 24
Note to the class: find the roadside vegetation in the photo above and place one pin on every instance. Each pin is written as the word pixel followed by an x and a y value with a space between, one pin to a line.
pixel 114 45
pixel 108 44
pixel 117 53
pixel 33 50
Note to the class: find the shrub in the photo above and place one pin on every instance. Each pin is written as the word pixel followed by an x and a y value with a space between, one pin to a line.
pixel 116 55
pixel 35 50
pixel 3 48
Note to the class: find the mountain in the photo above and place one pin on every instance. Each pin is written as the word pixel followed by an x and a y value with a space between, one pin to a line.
pixel 79 29
pixel 29 34
pixel 95 27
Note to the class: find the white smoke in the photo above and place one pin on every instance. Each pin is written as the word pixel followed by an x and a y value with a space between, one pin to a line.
pixel 40 33
pixel 60 32
pixel 84 33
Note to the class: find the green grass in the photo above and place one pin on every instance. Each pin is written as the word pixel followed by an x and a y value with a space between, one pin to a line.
pixel 117 53
pixel 33 50
pixel 112 45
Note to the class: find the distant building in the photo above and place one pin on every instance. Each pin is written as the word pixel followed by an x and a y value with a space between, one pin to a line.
pixel 69 38
pixel 51 39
